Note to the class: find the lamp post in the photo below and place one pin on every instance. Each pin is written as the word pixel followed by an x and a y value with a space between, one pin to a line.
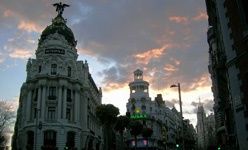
pixel 180 104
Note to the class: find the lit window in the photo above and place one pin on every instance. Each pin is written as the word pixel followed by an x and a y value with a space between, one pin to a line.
pixel 53 69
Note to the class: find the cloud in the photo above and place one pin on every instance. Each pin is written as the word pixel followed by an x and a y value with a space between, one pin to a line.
pixel 171 103
pixel 1 58
pixel 20 53
pixel 8 13
pixel 29 26
pixel 207 104
pixel 179 19
pixel 146 56
pixel 202 15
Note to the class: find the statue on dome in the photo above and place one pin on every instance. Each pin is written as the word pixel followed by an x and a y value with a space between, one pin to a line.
pixel 60 7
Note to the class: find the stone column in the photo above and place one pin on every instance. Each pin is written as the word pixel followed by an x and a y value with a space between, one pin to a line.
pixel 43 103
pixel 64 103
pixel 60 103
pixel 39 101
pixel 77 107
pixel 84 110
pixel 28 107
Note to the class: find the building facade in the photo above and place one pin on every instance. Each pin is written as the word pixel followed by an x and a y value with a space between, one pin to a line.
pixel 58 100
pixel 228 44
pixel 153 114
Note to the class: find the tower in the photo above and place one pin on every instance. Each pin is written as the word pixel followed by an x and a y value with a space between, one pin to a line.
pixel 58 100
pixel 201 117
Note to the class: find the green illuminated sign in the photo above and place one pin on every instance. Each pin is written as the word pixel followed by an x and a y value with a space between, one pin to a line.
pixel 138 116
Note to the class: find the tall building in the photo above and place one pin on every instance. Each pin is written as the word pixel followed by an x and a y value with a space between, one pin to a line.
pixel 153 114
pixel 58 100
pixel 201 128
pixel 228 45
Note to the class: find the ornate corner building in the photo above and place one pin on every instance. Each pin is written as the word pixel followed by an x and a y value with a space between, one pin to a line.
pixel 228 60
pixel 153 114
pixel 58 100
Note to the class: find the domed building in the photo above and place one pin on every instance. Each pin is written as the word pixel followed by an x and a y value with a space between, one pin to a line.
pixel 58 100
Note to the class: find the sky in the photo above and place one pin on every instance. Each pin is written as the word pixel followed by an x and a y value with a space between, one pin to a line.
pixel 165 38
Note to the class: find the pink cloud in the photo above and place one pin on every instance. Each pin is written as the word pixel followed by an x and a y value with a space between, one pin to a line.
pixel 179 19
pixel 8 13
pixel 202 15
pixel 20 53
pixel 145 57
pixel 170 68
pixel 29 26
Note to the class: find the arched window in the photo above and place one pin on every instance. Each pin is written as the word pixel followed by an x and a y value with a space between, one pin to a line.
pixel 53 69
pixel 30 140
pixel 69 71
pixel 70 142
pixel 49 138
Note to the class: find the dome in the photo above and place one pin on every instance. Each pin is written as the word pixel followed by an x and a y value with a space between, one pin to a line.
pixel 59 26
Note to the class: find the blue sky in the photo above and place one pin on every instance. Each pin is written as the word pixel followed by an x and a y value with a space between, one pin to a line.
pixel 164 38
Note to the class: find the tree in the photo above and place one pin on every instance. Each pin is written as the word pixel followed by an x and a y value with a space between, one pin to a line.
pixel 135 129
pixel 107 114
pixel 122 123
pixel 7 116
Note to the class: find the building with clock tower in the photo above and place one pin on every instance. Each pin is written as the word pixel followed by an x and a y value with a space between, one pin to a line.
pixel 59 97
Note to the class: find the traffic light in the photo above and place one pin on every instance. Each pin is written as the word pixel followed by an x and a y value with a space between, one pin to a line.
pixel 219 148
pixel 66 148
pixel 177 145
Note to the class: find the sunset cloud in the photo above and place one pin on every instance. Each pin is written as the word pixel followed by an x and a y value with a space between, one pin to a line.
pixel 202 15
pixel 170 68
pixel 8 13
pixel 146 56
pixel 202 81
pixel 29 26
pixel 179 19
pixel 20 53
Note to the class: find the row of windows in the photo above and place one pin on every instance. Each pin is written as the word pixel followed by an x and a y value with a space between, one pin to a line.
pixel 52 94
pixel 54 70
pixel 51 113
pixel 50 139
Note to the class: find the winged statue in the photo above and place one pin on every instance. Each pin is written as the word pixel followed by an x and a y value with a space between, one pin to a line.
pixel 60 7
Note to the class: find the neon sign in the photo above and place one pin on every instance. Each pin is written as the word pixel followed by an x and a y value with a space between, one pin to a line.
pixel 138 116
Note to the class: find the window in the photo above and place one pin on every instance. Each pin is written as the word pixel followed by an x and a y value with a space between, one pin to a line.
pixel 53 69
pixel 35 112
pixel 35 95
pixel 30 140
pixel 51 113
pixel 143 107
pixel 245 8
pixel 68 114
pixel 50 138
pixel 39 70
pixel 68 95
pixel 70 142
pixel 69 71
pixel 52 92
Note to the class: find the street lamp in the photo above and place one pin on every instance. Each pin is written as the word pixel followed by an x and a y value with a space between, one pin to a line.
pixel 179 94
pixel 180 104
